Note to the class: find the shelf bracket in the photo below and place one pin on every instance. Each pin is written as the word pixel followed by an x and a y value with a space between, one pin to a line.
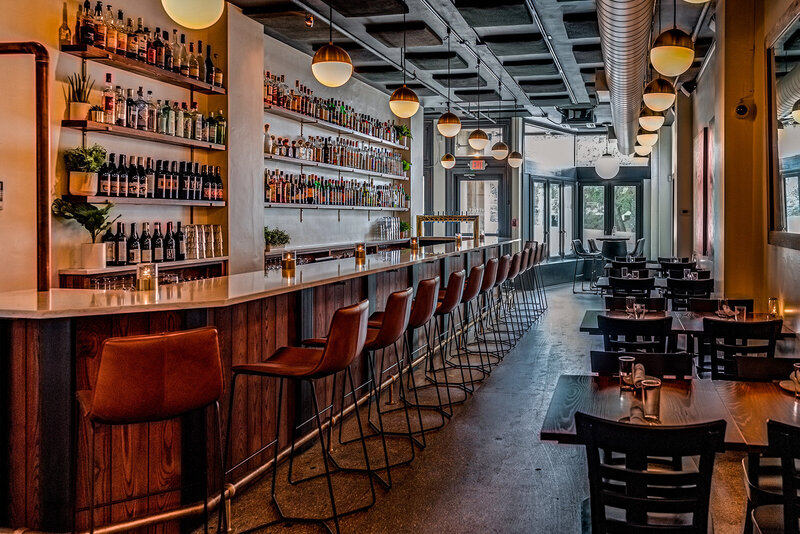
pixel 301 214
pixel 339 215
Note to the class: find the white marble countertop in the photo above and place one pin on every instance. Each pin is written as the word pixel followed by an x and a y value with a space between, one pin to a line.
pixel 216 292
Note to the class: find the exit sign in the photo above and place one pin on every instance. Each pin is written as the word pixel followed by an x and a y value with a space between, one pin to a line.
pixel 477 164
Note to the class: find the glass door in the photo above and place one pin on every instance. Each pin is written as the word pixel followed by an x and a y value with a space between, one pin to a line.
pixel 552 215
pixel 593 211
pixel 554 220
pixel 480 197
pixel 538 211
pixel 625 213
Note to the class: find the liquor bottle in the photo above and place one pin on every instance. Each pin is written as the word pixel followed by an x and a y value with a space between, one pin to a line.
pixel 169 244
pixel 208 183
pixel 141 110
pixel 197 183
pixel 152 112
pixel 169 112
pixel 201 62
pixel 160 180
pixel 120 107
pixel 99 26
pixel 194 66
pixel 134 248
pixel 188 121
pixel 106 172
pixel 87 24
pixel 176 52
pixel 142 176
pixel 111 247
pixel 133 40
pixel 119 181
pixel 168 57
pixel 217 72
pixel 150 176
pixel 218 185
pixel 133 178
pixel 76 36
pixel 179 124
pixel 158 244
pixel 64 33
pixel 210 68
pixel 146 244
pixel 141 41
pixel 180 244
pixel 197 118
pixel 133 111
pixel 109 101
pixel 121 248
pixel 222 128
pixel 160 49
pixel 111 30
pixel 152 49
pixel 184 68
pixel 122 34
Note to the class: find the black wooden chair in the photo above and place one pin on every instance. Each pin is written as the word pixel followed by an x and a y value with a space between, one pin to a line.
pixel 702 274
pixel 667 266
pixel 633 258
pixel 764 369
pixel 679 291
pixel 706 305
pixel 631 265
pixel 584 257
pixel 638 250
pixel 783 516
pixel 617 273
pixel 699 345
pixel 729 339
pixel 655 304
pixel 625 287
pixel 636 335
pixel 635 494
pixel 662 259
pixel 678 364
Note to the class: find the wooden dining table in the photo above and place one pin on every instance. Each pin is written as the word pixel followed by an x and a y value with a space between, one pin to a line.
pixel 745 406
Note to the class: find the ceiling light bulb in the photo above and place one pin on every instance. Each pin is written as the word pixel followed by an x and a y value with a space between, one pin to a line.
pixel 499 150
pixel 646 138
pixel 449 124
pixel 696 1
pixel 642 150
pixel 478 139
pixel 796 111
pixel 607 166
pixel 194 14
pixel 672 53
pixel 659 95
pixel 515 160
pixel 448 161
pixel 650 120
pixel 331 66
pixel 404 102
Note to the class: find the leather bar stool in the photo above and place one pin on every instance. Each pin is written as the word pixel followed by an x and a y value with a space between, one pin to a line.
pixel 514 323
pixel 497 306
pixel 527 309
pixel 484 312
pixel 531 278
pixel 472 288
pixel 345 341
pixel 148 379
pixel 538 271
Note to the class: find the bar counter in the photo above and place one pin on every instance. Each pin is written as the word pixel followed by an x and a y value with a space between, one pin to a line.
pixel 49 348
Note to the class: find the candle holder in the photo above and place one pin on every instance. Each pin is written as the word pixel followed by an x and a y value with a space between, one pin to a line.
pixel 361 252
pixel 458 240
pixel 773 307
pixel 414 243
pixel 288 263
pixel 147 277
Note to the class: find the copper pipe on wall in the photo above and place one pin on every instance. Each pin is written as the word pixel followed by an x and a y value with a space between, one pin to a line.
pixel 42 59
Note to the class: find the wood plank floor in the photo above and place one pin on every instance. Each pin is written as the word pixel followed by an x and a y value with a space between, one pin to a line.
pixel 487 470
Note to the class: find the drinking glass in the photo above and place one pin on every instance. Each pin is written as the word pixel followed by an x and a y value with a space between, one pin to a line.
pixel 687 273
pixel 626 373
pixel 795 378
pixel 651 398
pixel 624 272
pixel 635 274
pixel 628 258
pixel 629 303
pixel 740 313
pixel 639 311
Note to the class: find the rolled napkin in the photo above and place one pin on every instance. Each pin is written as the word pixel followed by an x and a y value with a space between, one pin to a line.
pixel 637 415
pixel 638 375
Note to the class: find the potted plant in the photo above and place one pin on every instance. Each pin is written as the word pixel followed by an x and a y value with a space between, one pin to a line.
pixel 406 166
pixel 80 87
pixel 274 237
pixel 83 164
pixel 405 229
pixel 97 114
pixel 95 220
pixel 403 132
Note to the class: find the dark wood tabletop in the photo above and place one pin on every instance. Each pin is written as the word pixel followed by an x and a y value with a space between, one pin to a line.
pixel 603 283
pixel 683 322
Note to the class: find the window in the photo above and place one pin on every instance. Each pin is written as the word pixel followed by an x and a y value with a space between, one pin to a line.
pixel 594 211
pixel 479 197
pixel 552 215
pixel 611 208
pixel 538 211
pixel 625 212
pixel 462 148
pixel 554 230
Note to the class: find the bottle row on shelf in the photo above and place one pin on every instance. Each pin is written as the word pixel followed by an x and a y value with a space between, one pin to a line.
pixel 338 151
pixel 101 30
pixel 306 189
pixel 301 99
pixel 199 241
pixel 141 112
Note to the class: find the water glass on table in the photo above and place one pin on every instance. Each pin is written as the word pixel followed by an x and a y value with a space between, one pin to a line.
pixel 635 274
pixel 623 272
pixel 626 373
pixel 740 313
pixel 639 311
pixel 629 304
pixel 687 273
pixel 651 398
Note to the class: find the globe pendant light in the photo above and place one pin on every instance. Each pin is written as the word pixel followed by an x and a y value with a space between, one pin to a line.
pixel 696 1
pixel 478 138
pixel 650 120
pixel 642 150
pixel 499 149
pixel 331 64
pixel 672 53
pixel 796 111
pixel 659 95
pixel 448 124
pixel 404 102
pixel 194 14
pixel 515 159
pixel 606 166
pixel 448 161
pixel 646 138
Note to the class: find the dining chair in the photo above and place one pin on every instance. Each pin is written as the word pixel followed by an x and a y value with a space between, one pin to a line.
pixel 617 273
pixel 667 266
pixel 629 492
pixel 655 304
pixel 632 258
pixel 702 274
pixel 623 287
pixel 631 265
pixel 635 335
pixel 658 364
pixel 638 250
pixel 584 257
pixel 764 369
pixel 729 339
pixel 784 442
pixel 679 291
pixel 701 305
pixel 699 345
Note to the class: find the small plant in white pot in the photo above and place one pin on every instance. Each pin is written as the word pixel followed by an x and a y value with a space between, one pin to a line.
pixel 83 165
pixel 275 238
pixel 95 220
pixel 80 87
pixel 97 114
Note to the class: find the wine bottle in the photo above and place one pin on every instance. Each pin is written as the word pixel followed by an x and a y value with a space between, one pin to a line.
pixel 150 175
pixel 184 66
pixel 121 241
pixel 119 186
pixel 207 183
pixel 168 57
pixel 219 185
pixel 180 242
pixel 146 244
pixel 106 171
pixel 111 247
pixel 133 177
pixel 169 244
pixel 134 249
pixel 158 244
pixel 142 174
pixel 210 68
pixel 122 34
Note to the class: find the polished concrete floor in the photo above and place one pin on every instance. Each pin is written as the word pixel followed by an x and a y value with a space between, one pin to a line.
pixel 487 470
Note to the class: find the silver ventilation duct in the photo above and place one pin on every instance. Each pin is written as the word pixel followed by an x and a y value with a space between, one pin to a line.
pixel 625 39
pixel 787 92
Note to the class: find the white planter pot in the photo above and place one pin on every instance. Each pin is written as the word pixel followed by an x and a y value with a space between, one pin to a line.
pixel 93 255
pixel 79 111
pixel 82 184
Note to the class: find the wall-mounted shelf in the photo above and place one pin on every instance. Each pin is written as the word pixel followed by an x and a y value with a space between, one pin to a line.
pixel 132 133
pixel 121 62
pixel 330 126
pixel 163 266
pixel 338 168
pixel 328 207
pixel 146 201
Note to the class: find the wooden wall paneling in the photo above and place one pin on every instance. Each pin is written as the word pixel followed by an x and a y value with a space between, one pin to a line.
pixel 222 319
pixel 238 435
pixel 33 424
pixel 18 508
pixel 255 409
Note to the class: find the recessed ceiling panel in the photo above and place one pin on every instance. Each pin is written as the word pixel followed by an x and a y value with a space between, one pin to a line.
pixel 582 25
pixel 436 60
pixel 554 86
pixel 391 34
pixel 380 73
pixel 516 44
pixel 587 54
pixel 531 67
pixel 481 14
pixel 545 101
pixel 369 8
pixel 418 88
pixel 472 95
pixel 461 80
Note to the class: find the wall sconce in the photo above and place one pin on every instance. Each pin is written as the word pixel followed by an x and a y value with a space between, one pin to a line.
pixel 147 277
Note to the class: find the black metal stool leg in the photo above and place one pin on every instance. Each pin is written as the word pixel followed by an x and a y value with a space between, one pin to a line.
pixel 324 451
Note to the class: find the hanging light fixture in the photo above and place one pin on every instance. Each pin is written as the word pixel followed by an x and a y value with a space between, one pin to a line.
pixel 331 65
pixel 448 124
pixel 478 138
pixel 499 149
pixel 448 161
pixel 650 120
pixel 673 51
pixel 515 159
pixel 404 102
pixel 642 150
pixel 796 111
pixel 696 1
pixel 659 95
pixel 194 14
pixel 646 138
pixel 606 166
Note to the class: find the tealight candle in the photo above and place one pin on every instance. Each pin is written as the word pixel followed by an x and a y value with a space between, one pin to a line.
pixel 146 277
pixel 361 252
pixel 458 240
pixel 414 243
pixel 288 263
pixel 772 307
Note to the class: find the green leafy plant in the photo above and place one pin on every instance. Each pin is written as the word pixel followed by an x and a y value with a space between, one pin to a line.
pixel 80 87
pixel 275 237
pixel 403 131
pixel 406 166
pixel 95 220
pixel 82 159
pixel 405 227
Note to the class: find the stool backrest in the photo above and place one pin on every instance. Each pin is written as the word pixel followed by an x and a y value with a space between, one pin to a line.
pixel 452 295
pixel 638 250
pixel 533 257
pixel 489 275
pixel 503 266
pixel 577 247
pixel 523 260
pixel 633 335
pixel 424 303
pixel 784 442
pixel 395 317
pixel 346 337
pixel 513 271
pixel 592 246
pixel 474 283
pixel 156 377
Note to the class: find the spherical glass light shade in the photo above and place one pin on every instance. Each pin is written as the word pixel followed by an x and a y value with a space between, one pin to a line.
pixel 606 166
pixel 515 160
pixel 448 161
pixel 672 53
pixel 499 150
pixel 331 66
pixel 478 139
pixel 696 1
pixel 404 102
pixel 646 138
pixel 659 95
pixel 449 124
pixel 650 120
pixel 194 14
pixel 796 111
pixel 642 150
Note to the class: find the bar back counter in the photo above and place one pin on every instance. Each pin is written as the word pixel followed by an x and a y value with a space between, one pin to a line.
pixel 50 346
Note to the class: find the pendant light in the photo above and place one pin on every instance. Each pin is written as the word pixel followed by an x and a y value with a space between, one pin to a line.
pixel 650 120
pixel 796 111
pixel 515 159
pixel 194 14
pixel 646 138
pixel 673 51
pixel 331 65
pixel 606 166
pixel 404 102
pixel 659 95
pixel 448 161
pixel 478 138
pixel 448 124
pixel 499 149
pixel 696 1
pixel 642 150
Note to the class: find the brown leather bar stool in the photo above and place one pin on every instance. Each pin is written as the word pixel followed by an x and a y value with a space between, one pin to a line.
pixel 345 341
pixel 484 311
pixel 496 306
pixel 514 324
pixel 472 289
pixel 542 290
pixel 152 378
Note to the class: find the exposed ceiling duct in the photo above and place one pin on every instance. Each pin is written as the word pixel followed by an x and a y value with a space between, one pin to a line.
pixel 625 38
pixel 787 92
